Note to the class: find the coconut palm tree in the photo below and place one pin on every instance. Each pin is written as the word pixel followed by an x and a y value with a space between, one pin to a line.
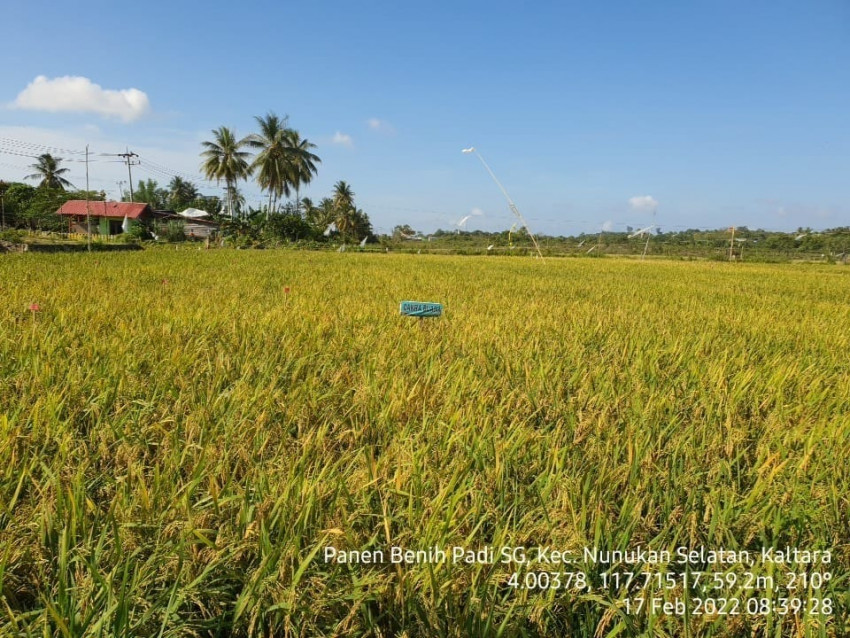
pixel 224 160
pixel 343 198
pixel 237 199
pixel 303 163
pixel 272 163
pixel 284 160
pixel 321 216
pixel 307 205
pixel 47 170
pixel 362 224
pixel 181 192
pixel 149 192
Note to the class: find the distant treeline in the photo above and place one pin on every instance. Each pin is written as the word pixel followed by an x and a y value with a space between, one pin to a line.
pixel 745 244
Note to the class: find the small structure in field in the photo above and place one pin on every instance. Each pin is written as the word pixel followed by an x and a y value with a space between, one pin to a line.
pixel 107 218
pixel 114 218
pixel 197 224
pixel 194 226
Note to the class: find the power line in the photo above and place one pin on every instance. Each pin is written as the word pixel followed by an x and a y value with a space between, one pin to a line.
pixel 193 177
pixel 32 145
pixel 128 156
pixel 22 148
pixel 15 166
pixel 7 152
pixel 161 174
pixel 17 151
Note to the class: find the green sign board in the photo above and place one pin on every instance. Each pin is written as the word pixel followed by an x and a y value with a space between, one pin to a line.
pixel 421 309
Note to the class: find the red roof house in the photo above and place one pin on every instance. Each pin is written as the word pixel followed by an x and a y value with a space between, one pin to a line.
pixel 107 217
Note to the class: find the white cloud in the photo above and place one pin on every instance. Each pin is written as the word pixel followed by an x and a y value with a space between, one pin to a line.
pixel 643 202
pixel 76 93
pixel 476 212
pixel 608 226
pixel 342 139
pixel 380 125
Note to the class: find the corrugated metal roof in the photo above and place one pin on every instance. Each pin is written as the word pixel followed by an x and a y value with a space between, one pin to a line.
pixel 104 209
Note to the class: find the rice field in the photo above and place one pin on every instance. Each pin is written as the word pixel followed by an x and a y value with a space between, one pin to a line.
pixel 187 449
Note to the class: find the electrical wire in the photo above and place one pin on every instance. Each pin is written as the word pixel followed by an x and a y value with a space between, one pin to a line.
pixel 171 172
pixel 31 145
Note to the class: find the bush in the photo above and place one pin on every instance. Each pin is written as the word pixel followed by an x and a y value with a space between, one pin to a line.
pixel 127 238
pixel 175 232
pixel 289 227
pixel 137 232
pixel 12 235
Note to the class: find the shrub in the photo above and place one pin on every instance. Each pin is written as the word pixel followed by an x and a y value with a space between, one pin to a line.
pixel 174 232
pixel 12 235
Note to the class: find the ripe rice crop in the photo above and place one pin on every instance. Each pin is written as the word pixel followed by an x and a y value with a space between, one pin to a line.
pixel 180 439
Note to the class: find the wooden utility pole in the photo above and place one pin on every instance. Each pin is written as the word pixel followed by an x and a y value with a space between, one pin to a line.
pixel 88 212
pixel 3 187
pixel 732 243
pixel 128 157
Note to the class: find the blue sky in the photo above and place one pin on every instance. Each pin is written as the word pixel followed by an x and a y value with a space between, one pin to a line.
pixel 725 113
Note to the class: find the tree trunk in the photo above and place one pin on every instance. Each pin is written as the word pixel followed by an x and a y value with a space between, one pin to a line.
pixel 230 199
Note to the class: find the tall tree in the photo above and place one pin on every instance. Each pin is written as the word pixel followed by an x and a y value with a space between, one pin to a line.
pixel 302 162
pixel 321 216
pixel 343 199
pixel 362 224
pixel 307 206
pixel 149 192
pixel 181 193
pixel 272 161
pixel 237 199
pixel 47 170
pixel 284 160
pixel 225 160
